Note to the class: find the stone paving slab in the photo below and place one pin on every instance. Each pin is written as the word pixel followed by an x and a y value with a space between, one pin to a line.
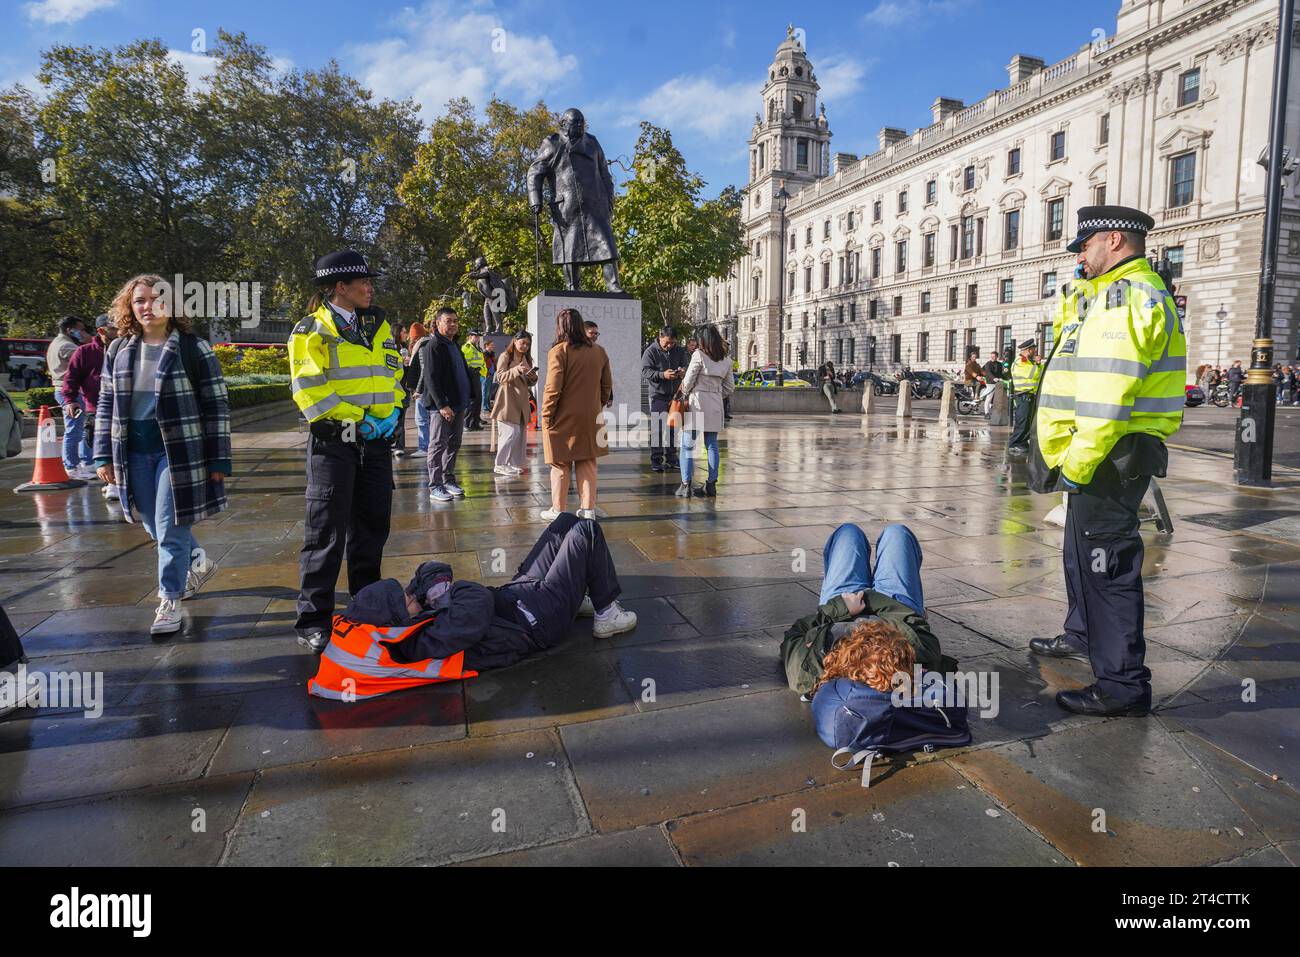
pixel 929 816
pixel 181 825
pixel 429 805
pixel 1159 806
pixel 678 742
pixel 643 847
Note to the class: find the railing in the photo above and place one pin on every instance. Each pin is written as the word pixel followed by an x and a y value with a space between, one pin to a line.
pixel 1058 70
pixel 969 114
pixel 1011 93
pixel 1179 212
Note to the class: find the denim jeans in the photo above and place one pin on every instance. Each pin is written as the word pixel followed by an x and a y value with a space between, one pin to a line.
pixel 422 426
pixel 897 573
pixel 75 443
pixel 688 455
pixel 150 483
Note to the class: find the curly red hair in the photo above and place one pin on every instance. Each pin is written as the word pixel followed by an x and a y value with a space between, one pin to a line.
pixel 871 654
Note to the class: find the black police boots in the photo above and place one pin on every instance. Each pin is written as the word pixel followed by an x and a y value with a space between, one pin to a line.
pixel 1058 647
pixel 1093 703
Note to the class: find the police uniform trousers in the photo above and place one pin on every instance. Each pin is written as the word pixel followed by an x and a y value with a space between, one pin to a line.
pixel 473 414
pixel 349 502
pixel 1022 412
pixel 1103 581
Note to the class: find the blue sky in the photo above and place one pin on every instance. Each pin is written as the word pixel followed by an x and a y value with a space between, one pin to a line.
pixel 694 67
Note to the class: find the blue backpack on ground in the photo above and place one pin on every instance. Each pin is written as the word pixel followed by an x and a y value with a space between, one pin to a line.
pixel 860 721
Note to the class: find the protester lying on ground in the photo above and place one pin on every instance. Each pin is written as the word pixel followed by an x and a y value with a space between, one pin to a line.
pixel 867 702
pixel 852 590
pixel 438 628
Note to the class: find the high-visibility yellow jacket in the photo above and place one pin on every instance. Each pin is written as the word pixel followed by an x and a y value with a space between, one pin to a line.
pixel 474 358
pixel 1119 366
pixel 1024 376
pixel 335 378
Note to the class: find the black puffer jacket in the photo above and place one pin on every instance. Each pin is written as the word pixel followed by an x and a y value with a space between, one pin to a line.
pixel 465 619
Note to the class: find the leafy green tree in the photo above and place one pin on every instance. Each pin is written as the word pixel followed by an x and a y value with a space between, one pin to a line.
pixel 667 235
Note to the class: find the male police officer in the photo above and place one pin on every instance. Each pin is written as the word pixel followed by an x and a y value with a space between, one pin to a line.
pixel 1024 383
pixel 347 374
pixel 1111 394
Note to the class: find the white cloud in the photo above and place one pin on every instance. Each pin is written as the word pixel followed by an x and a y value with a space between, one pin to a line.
pixel 437 53
pixel 697 104
pixel 840 76
pixel 199 67
pixel 65 11
pixel 915 13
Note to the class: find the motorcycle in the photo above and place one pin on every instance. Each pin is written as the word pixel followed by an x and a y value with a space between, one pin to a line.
pixel 969 403
pixel 1219 395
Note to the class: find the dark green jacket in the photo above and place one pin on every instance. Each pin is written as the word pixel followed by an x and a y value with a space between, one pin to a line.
pixel 808 640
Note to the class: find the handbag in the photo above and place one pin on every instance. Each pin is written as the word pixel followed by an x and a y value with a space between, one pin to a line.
pixel 677 411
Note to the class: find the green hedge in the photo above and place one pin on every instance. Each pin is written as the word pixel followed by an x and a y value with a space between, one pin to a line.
pixel 243 396
pixel 39 397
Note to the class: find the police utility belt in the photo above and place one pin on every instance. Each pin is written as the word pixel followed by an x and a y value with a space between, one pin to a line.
pixel 333 430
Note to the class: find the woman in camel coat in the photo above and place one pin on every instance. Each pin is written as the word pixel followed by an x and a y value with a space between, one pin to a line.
pixel 515 376
pixel 578 387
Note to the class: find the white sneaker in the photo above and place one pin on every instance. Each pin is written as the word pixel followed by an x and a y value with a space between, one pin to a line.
pixel 83 472
pixel 504 470
pixel 195 578
pixel 111 493
pixel 616 620
pixel 587 513
pixel 586 609
pixel 455 489
pixel 515 470
pixel 167 620
pixel 550 515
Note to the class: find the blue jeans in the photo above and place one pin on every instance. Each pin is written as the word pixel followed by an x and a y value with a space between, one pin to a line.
pixel 150 483
pixel 75 443
pixel 422 426
pixel 847 560
pixel 688 455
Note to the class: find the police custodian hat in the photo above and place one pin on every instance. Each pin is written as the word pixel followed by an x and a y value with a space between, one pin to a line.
pixel 1095 219
pixel 343 265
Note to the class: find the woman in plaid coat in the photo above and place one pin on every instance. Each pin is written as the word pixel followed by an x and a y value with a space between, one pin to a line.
pixel 168 449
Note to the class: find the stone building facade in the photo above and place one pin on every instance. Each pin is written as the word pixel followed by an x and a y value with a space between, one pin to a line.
pixel 955 233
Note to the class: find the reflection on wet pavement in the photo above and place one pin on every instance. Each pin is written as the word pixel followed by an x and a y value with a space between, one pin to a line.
pixel 677 743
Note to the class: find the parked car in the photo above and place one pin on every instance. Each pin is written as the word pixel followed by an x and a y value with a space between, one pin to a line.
pixel 766 378
pixel 879 384
pixel 809 376
pixel 1195 395
pixel 926 385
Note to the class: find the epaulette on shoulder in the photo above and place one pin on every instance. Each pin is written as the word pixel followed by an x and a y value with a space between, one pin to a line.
pixel 305 325
pixel 1065 290
pixel 1117 294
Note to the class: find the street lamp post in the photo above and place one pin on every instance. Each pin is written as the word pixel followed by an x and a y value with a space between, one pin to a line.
pixel 1253 458
pixel 1220 317
pixel 782 200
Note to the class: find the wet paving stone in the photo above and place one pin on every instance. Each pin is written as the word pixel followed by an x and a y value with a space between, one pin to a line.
pixel 545 692
pixel 287 726
pixel 205 619
pixel 1263 733
pixel 927 815
pixel 429 805
pixel 650 767
pixel 686 746
pixel 672 675
pixel 643 847
pixel 184 825
pixel 61 756
pixel 1119 792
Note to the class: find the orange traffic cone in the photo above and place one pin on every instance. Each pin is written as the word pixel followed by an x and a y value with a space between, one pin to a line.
pixel 49 473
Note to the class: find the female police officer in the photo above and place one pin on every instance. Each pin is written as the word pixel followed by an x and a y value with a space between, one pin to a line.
pixel 346 371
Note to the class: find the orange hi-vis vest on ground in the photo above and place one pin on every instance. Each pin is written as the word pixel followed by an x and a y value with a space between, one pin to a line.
pixel 356 664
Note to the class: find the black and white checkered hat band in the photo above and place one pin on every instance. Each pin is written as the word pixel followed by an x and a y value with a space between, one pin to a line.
pixel 336 270
pixel 1123 225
